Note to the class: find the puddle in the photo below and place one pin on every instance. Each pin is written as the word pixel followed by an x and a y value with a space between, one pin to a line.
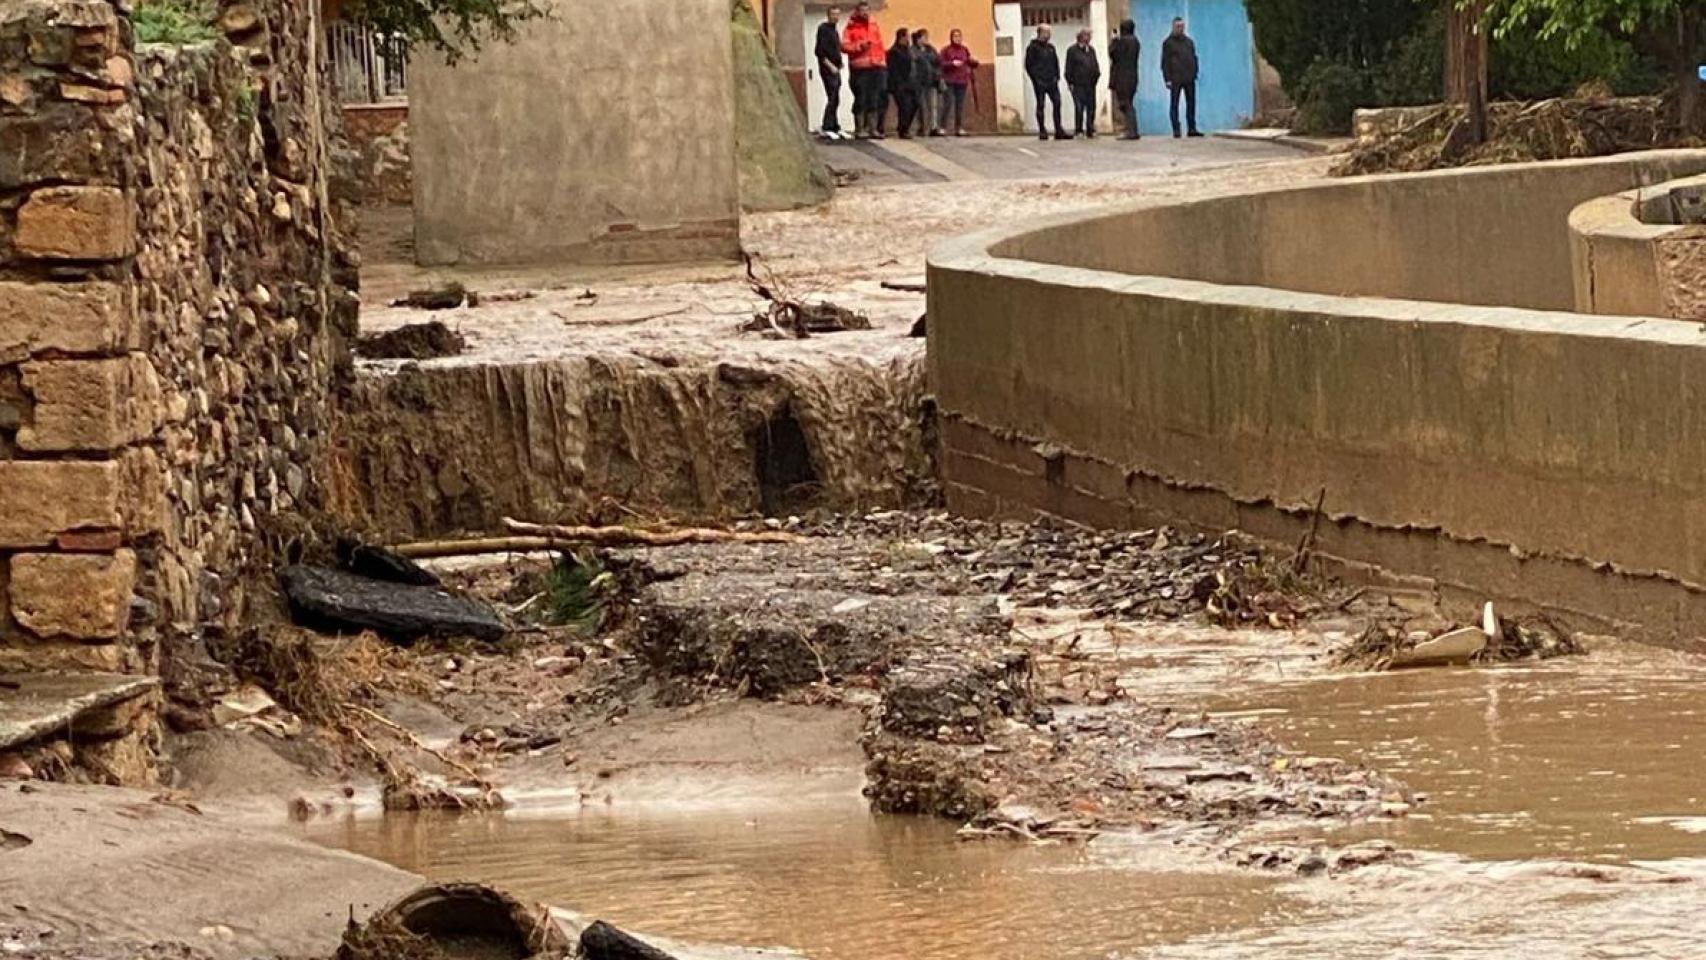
pixel 832 882
pixel 1580 759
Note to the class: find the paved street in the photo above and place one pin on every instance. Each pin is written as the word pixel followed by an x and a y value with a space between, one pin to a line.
pixel 939 159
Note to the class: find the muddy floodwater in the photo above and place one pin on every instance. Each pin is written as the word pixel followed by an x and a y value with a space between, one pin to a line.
pixel 1564 813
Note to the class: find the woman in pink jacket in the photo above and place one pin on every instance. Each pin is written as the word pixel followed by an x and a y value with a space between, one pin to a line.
pixel 957 67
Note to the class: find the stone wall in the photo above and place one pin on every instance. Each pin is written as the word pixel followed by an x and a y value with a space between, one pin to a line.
pixel 1526 455
pixel 170 333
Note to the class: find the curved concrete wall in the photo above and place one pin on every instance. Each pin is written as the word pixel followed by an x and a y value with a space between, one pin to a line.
pixel 1221 363
pixel 1630 257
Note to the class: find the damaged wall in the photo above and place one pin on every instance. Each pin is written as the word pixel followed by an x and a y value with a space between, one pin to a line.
pixel 170 332
pixel 604 133
pixel 1545 457
pixel 439 449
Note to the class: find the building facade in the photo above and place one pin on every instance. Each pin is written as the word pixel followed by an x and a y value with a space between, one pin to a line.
pixel 999 30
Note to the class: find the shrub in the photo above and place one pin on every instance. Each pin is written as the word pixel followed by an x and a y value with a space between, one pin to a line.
pixel 1328 94
pixel 177 22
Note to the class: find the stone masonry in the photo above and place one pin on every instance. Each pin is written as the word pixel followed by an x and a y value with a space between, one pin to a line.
pixel 171 333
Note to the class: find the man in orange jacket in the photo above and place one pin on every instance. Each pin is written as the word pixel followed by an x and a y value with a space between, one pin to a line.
pixel 863 44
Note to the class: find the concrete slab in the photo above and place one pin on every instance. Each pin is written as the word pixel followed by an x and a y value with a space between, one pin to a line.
pixel 36 705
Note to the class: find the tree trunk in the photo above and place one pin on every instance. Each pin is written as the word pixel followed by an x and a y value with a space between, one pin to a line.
pixel 1465 50
pixel 1685 65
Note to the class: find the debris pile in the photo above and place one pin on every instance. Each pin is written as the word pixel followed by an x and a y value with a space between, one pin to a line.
pixel 414 341
pixel 1554 129
pixel 1385 645
pixel 785 317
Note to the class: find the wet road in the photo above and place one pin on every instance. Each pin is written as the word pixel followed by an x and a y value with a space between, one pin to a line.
pixel 1565 817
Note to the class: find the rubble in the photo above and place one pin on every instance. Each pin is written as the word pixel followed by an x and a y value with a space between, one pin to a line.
pixel 1389 645
pixel 414 341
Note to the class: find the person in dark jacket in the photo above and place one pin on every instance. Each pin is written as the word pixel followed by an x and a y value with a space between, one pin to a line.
pixel 1122 77
pixel 903 85
pixel 1042 65
pixel 927 65
pixel 1083 73
pixel 1179 69
pixel 828 53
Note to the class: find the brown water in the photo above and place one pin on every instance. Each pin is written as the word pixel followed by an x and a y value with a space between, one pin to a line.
pixel 1524 769
pixel 832 881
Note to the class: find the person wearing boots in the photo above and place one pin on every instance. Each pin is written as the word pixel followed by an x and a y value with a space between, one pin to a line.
pixel 1083 73
pixel 1179 69
pixel 1042 66
pixel 1122 77
pixel 862 41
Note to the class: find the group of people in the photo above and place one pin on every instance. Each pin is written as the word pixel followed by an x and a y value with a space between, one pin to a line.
pixel 928 87
pixel 1083 74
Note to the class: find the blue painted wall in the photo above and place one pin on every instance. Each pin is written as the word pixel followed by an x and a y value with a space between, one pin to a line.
pixel 1226 89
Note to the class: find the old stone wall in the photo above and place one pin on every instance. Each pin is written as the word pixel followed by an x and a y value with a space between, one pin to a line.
pixel 170 329
pixel 1520 454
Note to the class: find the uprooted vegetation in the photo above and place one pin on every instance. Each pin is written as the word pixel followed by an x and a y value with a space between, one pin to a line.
pixel 1554 129
pixel 1384 645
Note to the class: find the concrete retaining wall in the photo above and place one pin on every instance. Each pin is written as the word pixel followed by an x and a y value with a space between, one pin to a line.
pixel 572 145
pixel 1514 453
pixel 1628 261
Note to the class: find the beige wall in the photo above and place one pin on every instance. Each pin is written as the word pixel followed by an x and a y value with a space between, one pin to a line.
pixel 1515 453
pixel 1626 267
pixel 567 145
pixel 1492 235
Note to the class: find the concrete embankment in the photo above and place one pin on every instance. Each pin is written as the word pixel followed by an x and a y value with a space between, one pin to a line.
pixel 1388 348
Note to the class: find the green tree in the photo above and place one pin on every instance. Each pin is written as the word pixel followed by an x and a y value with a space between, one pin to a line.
pixel 1294 35
pixel 455 28
pixel 1668 28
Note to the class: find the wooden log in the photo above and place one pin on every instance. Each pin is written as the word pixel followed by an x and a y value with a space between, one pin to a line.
pixel 536 537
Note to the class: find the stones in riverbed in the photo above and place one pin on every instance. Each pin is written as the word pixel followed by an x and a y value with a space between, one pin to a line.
pixel 332 600
pixel 601 941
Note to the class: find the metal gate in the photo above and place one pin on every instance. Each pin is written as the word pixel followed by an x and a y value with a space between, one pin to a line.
pixel 367 67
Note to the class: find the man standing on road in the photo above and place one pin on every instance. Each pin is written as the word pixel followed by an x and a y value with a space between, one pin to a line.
pixel 1083 73
pixel 1042 66
pixel 863 44
pixel 1179 69
pixel 1122 76
pixel 958 66
pixel 927 64
pixel 829 62
pixel 903 85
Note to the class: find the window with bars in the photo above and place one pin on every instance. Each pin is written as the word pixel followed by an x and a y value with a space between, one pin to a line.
pixel 1037 15
pixel 367 67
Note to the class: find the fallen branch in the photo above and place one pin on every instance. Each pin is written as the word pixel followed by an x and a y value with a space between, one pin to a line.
pixel 905 287
pixel 535 537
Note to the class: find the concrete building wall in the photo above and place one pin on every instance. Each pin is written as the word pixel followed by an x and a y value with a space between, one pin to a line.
pixel 1221 364
pixel 568 146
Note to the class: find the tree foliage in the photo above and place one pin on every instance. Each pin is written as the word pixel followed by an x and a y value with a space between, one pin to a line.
pixel 455 28
pixel 1580 21
pixel 1294 34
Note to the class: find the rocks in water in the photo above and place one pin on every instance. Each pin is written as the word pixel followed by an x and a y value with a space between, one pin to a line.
pixel 325 599
pixel 446 297
pixel 954 697
pixel 601 941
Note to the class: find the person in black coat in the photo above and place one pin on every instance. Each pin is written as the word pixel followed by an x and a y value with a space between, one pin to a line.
pixel 1042 65
pixel 903 84
pixel 1122 76
pixel 1179 69
pixel 829 63
pixel 1083 73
